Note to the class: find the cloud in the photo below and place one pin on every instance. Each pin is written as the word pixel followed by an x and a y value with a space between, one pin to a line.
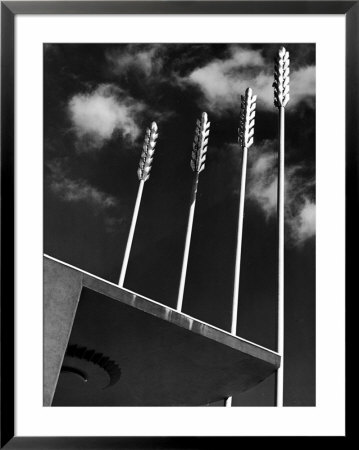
pixel 262 186
pixel 145 60
pixel 98 114
pixel 223 81
pixel 262 189
pixel 80 190
pixel 303 85
pixel 115 225
pixel 303 224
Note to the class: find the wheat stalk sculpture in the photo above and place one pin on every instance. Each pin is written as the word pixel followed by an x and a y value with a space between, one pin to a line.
pixel 281 99
pixel 200 144
pixel 143 174
pixel 281 78
pixel 198 158
pixel 149 145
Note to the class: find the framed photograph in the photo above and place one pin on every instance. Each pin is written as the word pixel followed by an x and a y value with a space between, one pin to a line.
pixel 168 177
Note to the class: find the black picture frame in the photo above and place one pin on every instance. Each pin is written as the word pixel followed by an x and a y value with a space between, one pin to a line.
pixel 9 10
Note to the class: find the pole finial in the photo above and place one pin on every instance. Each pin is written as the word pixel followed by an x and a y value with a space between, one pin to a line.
pixel 281 78
pixel 246 119
pixel 149 145
pixel 200 144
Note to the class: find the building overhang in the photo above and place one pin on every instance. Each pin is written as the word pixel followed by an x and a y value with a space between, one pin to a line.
pixel 150 354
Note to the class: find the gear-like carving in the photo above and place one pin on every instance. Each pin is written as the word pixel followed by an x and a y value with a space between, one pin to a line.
pixel 108 365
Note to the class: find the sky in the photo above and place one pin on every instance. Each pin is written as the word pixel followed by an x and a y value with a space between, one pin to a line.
pixel 98 101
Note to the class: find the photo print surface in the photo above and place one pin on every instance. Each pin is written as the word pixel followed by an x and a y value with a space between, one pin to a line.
pixel 143 188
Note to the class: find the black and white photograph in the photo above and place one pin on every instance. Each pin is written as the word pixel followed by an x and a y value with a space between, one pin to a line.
pixel 179 221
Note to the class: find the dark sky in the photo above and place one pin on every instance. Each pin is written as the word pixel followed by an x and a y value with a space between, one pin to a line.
pixel 98 101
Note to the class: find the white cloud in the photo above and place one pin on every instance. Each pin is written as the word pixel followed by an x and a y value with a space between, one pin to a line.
pixel 262 177
pixel 262 189
pixel 146 60
pixel 80 190
pixel 223 81
pixel 303 84
pixel 303 224
pixel 97 115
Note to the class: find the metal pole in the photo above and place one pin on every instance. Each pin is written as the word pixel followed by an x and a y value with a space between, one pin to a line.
pixel 246 133
pixel 239 244
pixel 198 159
pixel 281 99
pixel 187 243
pixel 143 173
pixel 280 213
pixel 131 233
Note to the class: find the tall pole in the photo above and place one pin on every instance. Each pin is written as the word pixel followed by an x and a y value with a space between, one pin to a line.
pixel 197 164
pixel 131 233
pixel 245 139
pixel 246 133
pixel 187 243
pixel 281 98
pixel 143 174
